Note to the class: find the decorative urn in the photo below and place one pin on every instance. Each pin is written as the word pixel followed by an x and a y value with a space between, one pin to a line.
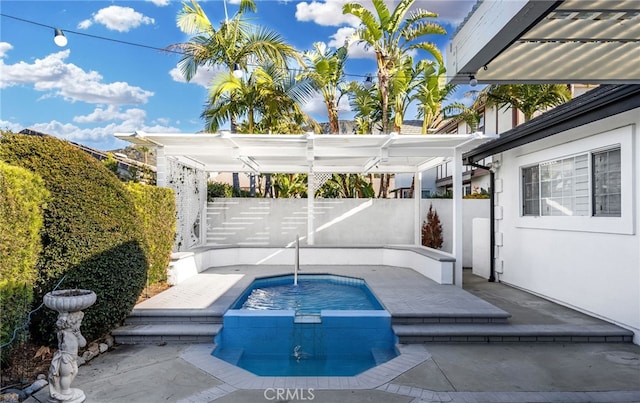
pixel 69 300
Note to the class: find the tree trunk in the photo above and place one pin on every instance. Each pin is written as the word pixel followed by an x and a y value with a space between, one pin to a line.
pixel 334 124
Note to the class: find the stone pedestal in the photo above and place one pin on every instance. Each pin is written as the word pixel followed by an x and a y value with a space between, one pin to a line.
pixel 64 365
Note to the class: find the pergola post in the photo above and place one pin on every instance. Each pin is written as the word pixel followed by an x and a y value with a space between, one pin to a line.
pixel 417 198
pixel 457 216
pixel 161 167
pixel 310 203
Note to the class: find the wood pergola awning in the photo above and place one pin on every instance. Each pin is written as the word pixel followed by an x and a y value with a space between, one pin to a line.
pixel 283 153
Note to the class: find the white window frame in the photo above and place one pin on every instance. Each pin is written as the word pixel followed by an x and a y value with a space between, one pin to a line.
pixel 623 138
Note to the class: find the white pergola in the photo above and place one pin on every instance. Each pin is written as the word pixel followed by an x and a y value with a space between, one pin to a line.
pixel 317 154
pixel 534 41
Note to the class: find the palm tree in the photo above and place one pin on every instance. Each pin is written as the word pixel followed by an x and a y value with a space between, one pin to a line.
pixel 270 96
pixel 326 71
pixel 346 186
pixel 401 88
pixel 391 36
pixel 270 99
pixel 430 93
pixel 290 185
pixel 364 101
pixel 234 45
pixel 528 98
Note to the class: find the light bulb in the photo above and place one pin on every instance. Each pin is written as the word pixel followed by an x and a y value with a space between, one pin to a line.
pixel 59 38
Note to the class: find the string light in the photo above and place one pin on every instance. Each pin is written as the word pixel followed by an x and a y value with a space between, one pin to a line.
pixel 61 38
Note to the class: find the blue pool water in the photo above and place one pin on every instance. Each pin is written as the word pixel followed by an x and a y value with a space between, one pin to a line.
pixel 312 294
pixel 326 326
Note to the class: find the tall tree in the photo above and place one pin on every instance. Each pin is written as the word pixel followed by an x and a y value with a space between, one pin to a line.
pixel 528 98
pixel 234 45
pixel 392 36
pixel 325 69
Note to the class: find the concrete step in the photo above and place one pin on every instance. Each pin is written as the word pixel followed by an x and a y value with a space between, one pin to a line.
pixel 168 333
pixel 458 318
pixel 500 333
pixel 172 316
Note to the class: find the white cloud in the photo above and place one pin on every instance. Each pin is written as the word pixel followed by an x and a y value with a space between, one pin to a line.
pixel 328 13
pixel 10 126
pixel 316 107
pixel 160 3
pixel 57 78
pixel 85 24
pixel 112 112
pixel 356 50
pixel 450 11
pixel 117 18
pixel 102 136
pixel 203 76
pixel 4 47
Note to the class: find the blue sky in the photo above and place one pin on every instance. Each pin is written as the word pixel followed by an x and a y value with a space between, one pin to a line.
pixel 92 88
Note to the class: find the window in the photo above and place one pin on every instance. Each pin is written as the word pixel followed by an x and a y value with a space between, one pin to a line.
pixel 561 187
pixel 530 191
pixel 606 183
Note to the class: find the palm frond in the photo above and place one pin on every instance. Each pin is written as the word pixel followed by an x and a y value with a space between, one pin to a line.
pixel 398 15
pixel 371 32
pixel 412 31
pixel 192 19
pixel 430 48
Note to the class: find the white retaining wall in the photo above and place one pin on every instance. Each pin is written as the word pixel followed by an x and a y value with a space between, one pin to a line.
pixel 340 222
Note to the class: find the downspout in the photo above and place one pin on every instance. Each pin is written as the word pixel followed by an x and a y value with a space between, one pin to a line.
pixel 492 224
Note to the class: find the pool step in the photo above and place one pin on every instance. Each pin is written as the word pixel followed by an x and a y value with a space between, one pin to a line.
pixel 302 318
pixel 501 333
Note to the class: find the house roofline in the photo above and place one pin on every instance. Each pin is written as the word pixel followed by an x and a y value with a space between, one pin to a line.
pixel 597 104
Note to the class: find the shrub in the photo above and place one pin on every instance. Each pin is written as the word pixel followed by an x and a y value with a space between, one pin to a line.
pixel 432 230
pixel 217 189
pixel 156 208
pixel 22 197
pixel 90 233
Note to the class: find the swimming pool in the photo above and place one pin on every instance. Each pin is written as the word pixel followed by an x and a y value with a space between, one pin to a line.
pixel 326 326
pixel 312 294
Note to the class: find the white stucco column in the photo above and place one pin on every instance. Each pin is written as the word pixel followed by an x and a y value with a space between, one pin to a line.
pixel 417 198
pixel 457 216
pixel 161 167
pixel 311 190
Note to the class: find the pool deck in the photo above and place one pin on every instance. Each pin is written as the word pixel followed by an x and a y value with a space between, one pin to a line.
pixel 214 291
pixel 433 372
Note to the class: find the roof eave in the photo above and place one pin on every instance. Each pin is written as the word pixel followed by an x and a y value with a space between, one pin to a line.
pixel 594 105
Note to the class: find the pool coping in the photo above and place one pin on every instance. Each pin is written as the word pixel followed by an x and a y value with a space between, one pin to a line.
pixel 200 356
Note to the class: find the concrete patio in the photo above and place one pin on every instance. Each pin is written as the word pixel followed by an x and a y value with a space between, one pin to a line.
pixel 430 372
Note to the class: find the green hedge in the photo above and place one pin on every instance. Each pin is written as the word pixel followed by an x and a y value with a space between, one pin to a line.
pixel 22 197
pixel 157 209
pixel 91 233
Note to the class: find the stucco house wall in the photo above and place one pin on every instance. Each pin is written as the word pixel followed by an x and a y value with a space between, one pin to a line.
pixel 589 263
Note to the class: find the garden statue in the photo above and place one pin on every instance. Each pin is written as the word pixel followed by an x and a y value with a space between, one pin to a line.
pixel 64 365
